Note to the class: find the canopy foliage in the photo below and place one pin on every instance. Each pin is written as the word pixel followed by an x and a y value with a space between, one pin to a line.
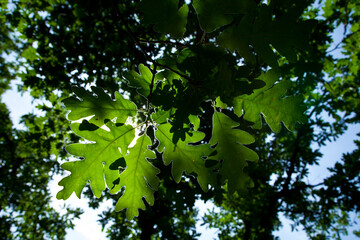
pixel 174 101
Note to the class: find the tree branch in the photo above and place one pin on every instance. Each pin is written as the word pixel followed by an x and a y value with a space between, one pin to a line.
pixel 119 16
pixel 163 42
pixel 137 42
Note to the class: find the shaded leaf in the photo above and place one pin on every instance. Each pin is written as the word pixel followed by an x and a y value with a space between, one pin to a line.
pixel 100 105
pixel 260 33
pixel 184 157
pixel 166 16
pixel 213 14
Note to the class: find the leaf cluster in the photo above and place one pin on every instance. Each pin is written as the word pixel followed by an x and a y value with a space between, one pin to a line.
pixel 194 92
pixel 174 88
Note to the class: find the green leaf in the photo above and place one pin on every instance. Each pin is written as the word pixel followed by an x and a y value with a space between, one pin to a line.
pixel 166 16
pixel 140 81
pixel 194 120
pixel 213 14
pixel 101 159
pixel 261 33
pixel 184 157
pixel 100 105
pixel 229 82
pixel 139 178
pixel 161 116
pixel 231 150
pixel 30 54
pixel 183 99
pixel 270 103
pixel 220 104
pixel 166 75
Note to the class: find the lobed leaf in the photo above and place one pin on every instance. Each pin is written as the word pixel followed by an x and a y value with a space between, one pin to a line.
pixel 166 16
pixel 270 103
pixel 195 121
pixel 140 81
pixel 100 106
pixel 213 14
pixel 101 162
pixel 161 116
pixel 260 33
pixel 232 152
pixel 139 179
pixel 184 156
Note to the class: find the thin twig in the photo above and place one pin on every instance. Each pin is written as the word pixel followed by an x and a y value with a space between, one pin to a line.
pixel 152 84
pixel 175 71
pixel 163 42
pixel 119 16
pixel 335 48
pixel 344 36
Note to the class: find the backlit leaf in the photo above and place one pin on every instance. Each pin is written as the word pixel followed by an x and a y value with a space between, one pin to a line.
pixel 270 103
pixel 140 81
pixel 161 116
pixel 232 152
pixel 139 179
pixel 101 162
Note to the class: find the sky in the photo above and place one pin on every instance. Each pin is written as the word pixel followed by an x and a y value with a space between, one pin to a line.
pixel 20 104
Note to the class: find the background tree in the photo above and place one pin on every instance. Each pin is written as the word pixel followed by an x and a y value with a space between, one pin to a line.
pixel 322 208
pixel 82 43
pixel 28 159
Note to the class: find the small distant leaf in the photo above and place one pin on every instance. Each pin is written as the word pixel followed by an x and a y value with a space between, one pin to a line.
pixel 100 105
pixel 231 150
pixel 184 157
pixel 30 54
pixel 139 179
pixel 99 159
pixel 269 102
pixel 166 16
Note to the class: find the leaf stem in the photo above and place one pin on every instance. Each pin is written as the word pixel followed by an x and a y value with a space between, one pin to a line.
pixel 163 42
pixel 151 86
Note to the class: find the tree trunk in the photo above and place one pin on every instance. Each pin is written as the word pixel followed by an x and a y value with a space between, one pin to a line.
pixel 146 224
